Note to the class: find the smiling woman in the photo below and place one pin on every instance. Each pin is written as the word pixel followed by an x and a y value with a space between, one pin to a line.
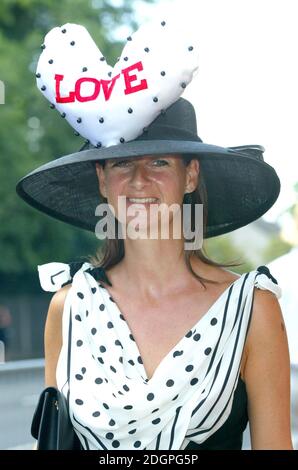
pixel 153 345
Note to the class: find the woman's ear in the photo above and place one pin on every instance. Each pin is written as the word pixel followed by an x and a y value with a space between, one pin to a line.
pixel 192 175
pixel 101 179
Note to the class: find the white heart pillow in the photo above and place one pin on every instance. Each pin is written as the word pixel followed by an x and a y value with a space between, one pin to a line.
pixel 111 105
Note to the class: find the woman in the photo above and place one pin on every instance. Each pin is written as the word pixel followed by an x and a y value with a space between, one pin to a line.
pixel 154 345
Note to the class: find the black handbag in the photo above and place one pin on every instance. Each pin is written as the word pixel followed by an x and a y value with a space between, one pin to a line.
pixel 51 425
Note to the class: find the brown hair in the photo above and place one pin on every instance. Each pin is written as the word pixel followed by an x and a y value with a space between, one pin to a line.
pixel 112 251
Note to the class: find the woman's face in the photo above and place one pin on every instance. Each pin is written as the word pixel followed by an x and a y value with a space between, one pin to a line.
pixel 164 178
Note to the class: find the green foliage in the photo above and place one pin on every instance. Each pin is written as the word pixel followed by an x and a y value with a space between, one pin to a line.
pixel 31 134
pixel 222 250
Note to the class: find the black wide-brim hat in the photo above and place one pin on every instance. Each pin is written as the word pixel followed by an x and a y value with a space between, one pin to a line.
pixel 240 186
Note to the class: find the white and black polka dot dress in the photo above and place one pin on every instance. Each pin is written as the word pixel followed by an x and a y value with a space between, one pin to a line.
pixel 112 403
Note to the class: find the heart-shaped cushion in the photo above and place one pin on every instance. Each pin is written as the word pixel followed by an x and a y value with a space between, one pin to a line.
pixel 111 105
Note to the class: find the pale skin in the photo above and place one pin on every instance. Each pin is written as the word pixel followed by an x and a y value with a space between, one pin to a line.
pixel 146 272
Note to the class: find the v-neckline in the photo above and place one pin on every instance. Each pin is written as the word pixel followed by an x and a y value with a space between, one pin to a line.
pixel 194 327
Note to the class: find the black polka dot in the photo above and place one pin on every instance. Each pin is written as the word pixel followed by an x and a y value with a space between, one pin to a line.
pixel 130 110
pixel 133 431
pixel 128 407
pixel 140 360
pixel 43 88
pixel 154 411
pixel 156 421
pixel 106 380
pixel 83 370
pixel 131 337
pixel 189 334
pixel 37 75
pixel 163 23
pixel 101 120
pixel 51 61
pixel 146 49
pixel 102 59
pixel 190 48
pixel 79 377
pixel 150 396
pixel 100 359
pixel 102 349
pixel 98 145
pixel 126 388
pixel 129 38
pixel 131 362
pixel 93 290
pixel 155 99
pixel 72 43
pixel 113 369
pixel 137 444
pixel 79 342
pixel 207 351
pixel 118 343
pixel 122 140
pixel 177 353
pixel 110 325
pixel 132 421
pixel 189 368
pixel 197 337
pixel 63 30
pixel 84 69
pixel 110 74
pixel 43 46
pixel 183 85
pixel 115 443
pixel 98 381
pixel 175 398
pixel 80 295
pixel 87 313
pixel 112 422
pixel 93 331
pixel 122 317
pixel 77 317
pixel 162 73
pixel 96 414
pixel 121 359
pixel 79 120
pixel 106 406
pixel 194 381
pixel 110 435
pixel 125 58
pixel 120 393
pixel 79 401
pixel 170 383
pixel 63 116
pixel 213 321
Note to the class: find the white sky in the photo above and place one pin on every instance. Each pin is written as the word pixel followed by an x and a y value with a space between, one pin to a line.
pixel 245 91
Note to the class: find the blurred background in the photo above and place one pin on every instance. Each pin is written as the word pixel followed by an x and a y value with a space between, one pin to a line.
pixel 244 93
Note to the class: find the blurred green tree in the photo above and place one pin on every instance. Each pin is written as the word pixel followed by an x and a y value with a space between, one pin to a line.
pixel 31 134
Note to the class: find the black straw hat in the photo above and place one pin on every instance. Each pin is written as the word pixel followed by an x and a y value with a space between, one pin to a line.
pixel 240 186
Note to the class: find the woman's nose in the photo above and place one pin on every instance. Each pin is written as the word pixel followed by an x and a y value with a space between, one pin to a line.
pixel 139 176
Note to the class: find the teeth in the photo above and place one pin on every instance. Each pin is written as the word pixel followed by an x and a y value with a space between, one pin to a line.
pixel 142 200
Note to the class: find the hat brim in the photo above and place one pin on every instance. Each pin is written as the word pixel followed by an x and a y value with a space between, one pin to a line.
pixel 240 187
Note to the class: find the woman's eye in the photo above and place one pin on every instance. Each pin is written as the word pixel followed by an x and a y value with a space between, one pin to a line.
pixel 160 162
pixel 122 163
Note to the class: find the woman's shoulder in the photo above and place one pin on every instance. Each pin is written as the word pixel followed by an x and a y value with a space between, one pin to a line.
pixel 58 300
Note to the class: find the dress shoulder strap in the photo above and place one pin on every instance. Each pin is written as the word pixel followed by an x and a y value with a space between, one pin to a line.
pixel 265 281
pixel 53 276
